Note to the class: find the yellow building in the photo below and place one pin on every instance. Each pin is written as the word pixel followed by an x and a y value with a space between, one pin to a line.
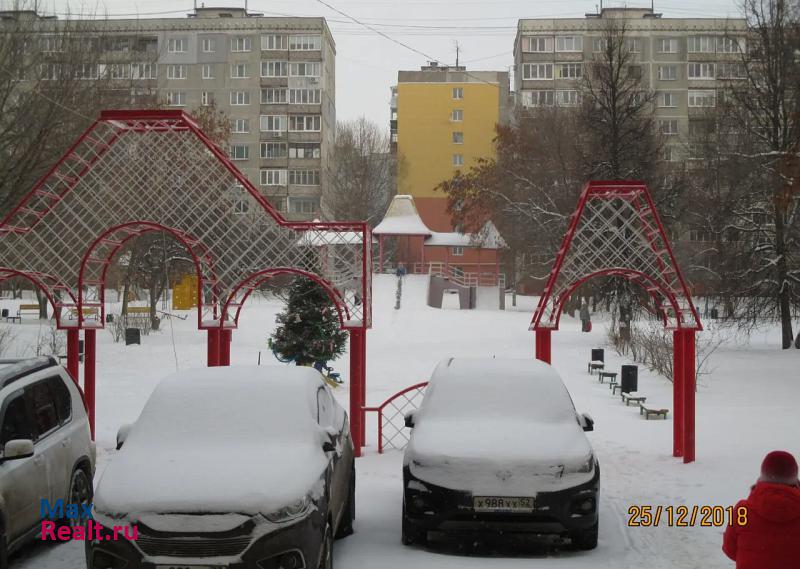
pixel 445 120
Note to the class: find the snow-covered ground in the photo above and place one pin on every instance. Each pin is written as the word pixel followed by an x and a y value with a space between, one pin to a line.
pixel 745 408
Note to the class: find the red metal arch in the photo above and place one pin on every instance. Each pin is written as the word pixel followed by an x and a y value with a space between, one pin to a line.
pixel 36 280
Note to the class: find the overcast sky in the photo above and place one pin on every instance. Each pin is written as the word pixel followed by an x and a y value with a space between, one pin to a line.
pixel 367 63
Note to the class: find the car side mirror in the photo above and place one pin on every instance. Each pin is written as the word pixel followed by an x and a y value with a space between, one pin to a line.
pixel 409 420
pixel 328 446
pixel 586 422
pixel 17 449
pixel 122 434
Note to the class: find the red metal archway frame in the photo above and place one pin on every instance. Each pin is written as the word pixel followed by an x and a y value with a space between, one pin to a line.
pixel 616 231
pixel 136 171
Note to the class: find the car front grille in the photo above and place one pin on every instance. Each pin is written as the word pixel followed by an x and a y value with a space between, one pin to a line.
pixel 192 546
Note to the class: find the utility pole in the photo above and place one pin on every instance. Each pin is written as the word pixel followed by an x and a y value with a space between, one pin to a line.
pixel 458 50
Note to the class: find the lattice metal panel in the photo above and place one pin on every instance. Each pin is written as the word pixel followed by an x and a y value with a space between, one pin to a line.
pixel 392 432
pixel 615 231
pixel 134 172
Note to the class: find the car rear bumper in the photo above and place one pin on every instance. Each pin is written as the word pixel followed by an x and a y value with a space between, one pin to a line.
pixel 434 508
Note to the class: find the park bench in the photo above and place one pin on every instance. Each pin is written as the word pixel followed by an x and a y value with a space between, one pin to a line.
pixel 137 314
pixel 614 386
pixel 89 312
pixel 612 375
pixel 648 412
pixel 633 397
pixel 595 364
pixel 25 309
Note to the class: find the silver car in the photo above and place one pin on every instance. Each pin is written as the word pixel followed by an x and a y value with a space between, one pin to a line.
pixel 46 450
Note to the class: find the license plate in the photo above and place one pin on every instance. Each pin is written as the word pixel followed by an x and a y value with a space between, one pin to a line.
pixel 191 567
pixel 502 504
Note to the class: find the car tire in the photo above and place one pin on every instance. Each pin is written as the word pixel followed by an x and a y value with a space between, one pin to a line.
pixel 326 551
pixel 412 534
pixel 586 539
pixel 80 492
pixel 346 524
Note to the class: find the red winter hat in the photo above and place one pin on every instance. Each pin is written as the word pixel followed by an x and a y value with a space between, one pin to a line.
pixel 779 467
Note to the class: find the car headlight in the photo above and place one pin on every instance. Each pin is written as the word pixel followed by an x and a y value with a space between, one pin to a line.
pixel 291 511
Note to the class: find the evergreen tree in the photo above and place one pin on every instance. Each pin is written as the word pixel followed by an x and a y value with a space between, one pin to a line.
pixel 308 330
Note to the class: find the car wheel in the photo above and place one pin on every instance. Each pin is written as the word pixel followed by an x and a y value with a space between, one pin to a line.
pixel 326 552
pixel 349 515
pixel 411 533
pixel 80 492
pixel 586 539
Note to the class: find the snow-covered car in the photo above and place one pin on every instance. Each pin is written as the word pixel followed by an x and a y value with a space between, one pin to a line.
pixel 497 446
pixel 245 468
pixel 46 448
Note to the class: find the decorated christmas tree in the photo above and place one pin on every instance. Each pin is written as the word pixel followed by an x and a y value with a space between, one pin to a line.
pixel 308 330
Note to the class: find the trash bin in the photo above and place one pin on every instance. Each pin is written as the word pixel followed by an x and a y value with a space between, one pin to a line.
pixel 155 323
pixel 5 313
pixel 629 381
pixel 714 313
pixel 132 336
pixel 598 355
pixel 109 318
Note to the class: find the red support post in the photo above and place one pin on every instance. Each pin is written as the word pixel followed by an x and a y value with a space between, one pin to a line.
pixel 363 382
pixel 73 353
pixel 356 361
pixel 380 254
pixel 689 387
pixel 225 347
pixel 213 347
pixel 677 392
pixel 90 353
pixel 543 345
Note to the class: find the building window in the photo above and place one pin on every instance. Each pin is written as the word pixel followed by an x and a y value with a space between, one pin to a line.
pixel 208 71
pixel 274 69
pixel 177 71
pixel 272 96
pixel 209 45
pixel 701 71
pixel 667 72
pixel 458 159
pixel 730 45
pixel 273 150
pixel 86 71
pixel 144 70
pixel 569 71
pixel 544 98
pixel 457 251
pixel 241 44
pixel 731 71
pixel 634 45
pixel 273 177
pixel 239 98
pixel 668 126
pixel 274 42
pixel 176 98
pixel 305 123
pixel 457 115
pixel 537 71
pixel 700 44
pixel 533 44
pixel 667 45
pixel 272 123
pixel 458 92
pixel 305 43
pixel 304 150
pixel 240 152
pixel 458 138
pixel 240 126
pixel 51 44
pixel 305 96
pixel 240 206
pixel 567 98
pixel 599 45
pixel 119 71
pixel 569 43
pixel 177 45
pixel 304 205
pixel 667 153
pixel 305 69
pixel 702 98
pixel 304 177
pixel 667 99
pixel 206 98
pixel 239 71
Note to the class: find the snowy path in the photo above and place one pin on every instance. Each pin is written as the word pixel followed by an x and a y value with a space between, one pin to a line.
pixel 741 416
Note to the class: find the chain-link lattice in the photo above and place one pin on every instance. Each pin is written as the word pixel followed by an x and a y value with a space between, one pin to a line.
pixel 615 231
pixel 392 432
pixel 134 172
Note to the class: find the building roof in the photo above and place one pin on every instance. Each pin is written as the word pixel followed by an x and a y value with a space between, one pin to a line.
pixel 402 219
pixel 487 238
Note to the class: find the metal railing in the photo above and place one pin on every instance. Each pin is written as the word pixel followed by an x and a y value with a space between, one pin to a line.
pixel 392 430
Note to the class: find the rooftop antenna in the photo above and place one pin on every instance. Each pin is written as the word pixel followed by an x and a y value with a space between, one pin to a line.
pixel 458 49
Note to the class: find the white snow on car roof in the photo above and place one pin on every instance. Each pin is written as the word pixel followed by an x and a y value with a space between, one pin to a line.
pixel 220 440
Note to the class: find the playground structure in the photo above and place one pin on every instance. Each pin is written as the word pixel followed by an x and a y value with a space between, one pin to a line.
pixel 134 172
pixel 474 290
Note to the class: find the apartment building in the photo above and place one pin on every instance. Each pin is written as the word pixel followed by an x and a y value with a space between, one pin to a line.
pixel 686 61
pixel 443 121
pixel 274 77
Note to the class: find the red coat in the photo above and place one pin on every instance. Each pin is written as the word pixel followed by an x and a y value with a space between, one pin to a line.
pixel 771 537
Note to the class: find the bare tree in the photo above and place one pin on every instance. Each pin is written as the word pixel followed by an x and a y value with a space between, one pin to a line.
pixel 362 175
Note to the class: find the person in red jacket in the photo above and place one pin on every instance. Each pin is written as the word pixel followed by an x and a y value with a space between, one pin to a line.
pixel 766 534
